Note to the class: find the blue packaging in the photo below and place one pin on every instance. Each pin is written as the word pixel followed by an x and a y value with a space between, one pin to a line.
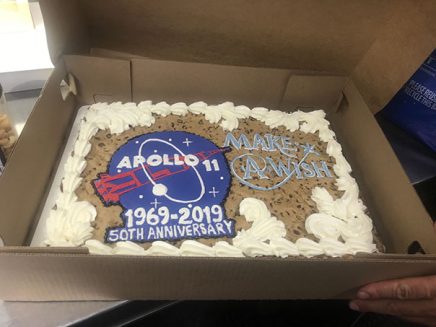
pixel 413 108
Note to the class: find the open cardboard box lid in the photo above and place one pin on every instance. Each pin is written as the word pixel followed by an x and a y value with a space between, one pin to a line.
pixel 313 54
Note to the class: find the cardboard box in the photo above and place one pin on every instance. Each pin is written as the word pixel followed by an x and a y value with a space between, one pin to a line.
pixel 345 57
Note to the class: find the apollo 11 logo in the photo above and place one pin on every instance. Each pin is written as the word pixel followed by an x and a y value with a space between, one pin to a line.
pixel 172 186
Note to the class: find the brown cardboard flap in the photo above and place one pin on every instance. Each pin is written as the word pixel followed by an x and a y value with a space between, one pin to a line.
pixel 402 45
pixel 312 91
pixel 57 277
pixel 100 79
pixel 379 43
pixel 173 81
pixel 188 82
pixel 65 28
pixel 306 35
pixel 105 53
pixel 398 212
pixel 26 177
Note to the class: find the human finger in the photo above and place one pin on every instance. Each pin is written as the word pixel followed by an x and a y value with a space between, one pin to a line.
pixel 404 289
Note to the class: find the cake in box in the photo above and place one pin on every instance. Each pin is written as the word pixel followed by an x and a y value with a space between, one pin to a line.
pixel 208 180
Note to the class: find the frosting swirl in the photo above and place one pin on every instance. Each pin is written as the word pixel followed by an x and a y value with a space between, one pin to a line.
pixel 128 248
pixel 358 246
pixel 252 247
pixel 358 228
pixel 75 165
pixel 253 209
pixel 284 248
pixel 268 229
pixel 162 108
pixel 291 122
pixel 71 227
pixel 242 112
pixel 87 130
pixel 213 116
pixel 65 199
pixel 196 249
pixel 325 203
pixel 230 124
pixel 145 106
pixel 159 248
pixel 145 117
pixel 333 248
pixel 197 108
pixel 96 247
pixel 324 226
pixel 179 109
pixel 259 113
pixel 275 119
pixel 81 148
pixel 308 248
pixel 224 249
pixel 71 182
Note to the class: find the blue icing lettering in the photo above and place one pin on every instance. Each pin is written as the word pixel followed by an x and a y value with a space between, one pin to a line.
pixel 297 170
pixel 320 170
pixel 273 142
pixel 307 170
pixel 237 144
pixel 259 143
pixel 281 143
pixel 268 142
pixel 279 168
pixel 252 167
pixel 309 149
pixel 255 166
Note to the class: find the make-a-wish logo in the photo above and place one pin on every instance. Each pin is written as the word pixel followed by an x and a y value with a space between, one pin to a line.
pixel 172 186
pixel 257 169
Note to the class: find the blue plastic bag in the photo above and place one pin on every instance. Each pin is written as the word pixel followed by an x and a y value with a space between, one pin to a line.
pixel 413 108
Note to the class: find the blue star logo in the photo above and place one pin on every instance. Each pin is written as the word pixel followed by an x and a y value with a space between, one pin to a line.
pixel 308 149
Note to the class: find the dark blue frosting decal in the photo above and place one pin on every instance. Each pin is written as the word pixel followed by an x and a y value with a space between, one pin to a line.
pixel 172 186
pixel 258 165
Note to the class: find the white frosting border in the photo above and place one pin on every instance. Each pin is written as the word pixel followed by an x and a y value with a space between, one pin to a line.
pixel 341 226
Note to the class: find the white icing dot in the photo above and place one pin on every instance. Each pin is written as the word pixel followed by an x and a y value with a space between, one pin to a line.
pixel 160 189
pixel 189 205
pixel 141 196
pixel 221 177
pixel 170 140
pixel 118 170
pixel 155 151
pixel 136 142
